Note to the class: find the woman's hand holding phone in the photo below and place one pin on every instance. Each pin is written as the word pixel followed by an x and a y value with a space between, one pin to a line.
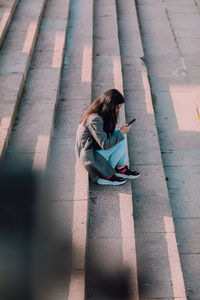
pixel 125 128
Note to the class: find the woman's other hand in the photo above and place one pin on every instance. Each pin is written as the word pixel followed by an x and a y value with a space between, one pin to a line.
pixel 125 128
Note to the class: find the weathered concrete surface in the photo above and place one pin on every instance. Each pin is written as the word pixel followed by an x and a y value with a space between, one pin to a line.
pixel 70 181
pixel 150 195
pixel 105 212
pixel 111 234
pixel 36 114
pixel 13 75
pixel 30 140
pixel 151 263
pixel 174 78
pixel 107 230
pixel 191 274
pixel 7 10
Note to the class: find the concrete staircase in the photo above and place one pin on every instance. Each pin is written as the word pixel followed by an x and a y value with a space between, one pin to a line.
pixel 55 59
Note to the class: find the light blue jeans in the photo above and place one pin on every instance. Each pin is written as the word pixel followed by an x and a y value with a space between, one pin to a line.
pixel 115 155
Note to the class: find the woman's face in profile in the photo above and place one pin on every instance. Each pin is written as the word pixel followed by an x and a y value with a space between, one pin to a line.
pixel 118 107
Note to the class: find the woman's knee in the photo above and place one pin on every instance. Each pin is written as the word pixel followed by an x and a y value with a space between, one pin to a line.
pixel 123 143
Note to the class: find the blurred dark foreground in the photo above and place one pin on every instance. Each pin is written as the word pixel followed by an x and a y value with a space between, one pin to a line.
pixel 34 258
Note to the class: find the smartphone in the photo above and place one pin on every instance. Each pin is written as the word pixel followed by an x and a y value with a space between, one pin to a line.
pixel 131 122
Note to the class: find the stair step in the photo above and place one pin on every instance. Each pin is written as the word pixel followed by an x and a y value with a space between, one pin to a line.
pixel 37 110
pixel 156 246
pixel 111 242
pixel 172 58
pixel 30 141
pixel 70 179
pixel 7 10
pixel 15 57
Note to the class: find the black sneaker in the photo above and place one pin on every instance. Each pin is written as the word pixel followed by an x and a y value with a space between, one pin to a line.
pixel 125 172
pixel 114 180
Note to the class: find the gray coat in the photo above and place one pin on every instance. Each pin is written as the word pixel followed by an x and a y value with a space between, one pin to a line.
pixel 86 139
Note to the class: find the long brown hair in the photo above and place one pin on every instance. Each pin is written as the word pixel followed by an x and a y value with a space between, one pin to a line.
pixel 105 106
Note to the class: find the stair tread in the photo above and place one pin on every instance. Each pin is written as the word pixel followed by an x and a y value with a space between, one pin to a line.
pixel 14 63
pixel 36 114
pixel 7 9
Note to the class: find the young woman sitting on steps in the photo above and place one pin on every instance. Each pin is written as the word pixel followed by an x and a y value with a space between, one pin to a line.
pixel 100 148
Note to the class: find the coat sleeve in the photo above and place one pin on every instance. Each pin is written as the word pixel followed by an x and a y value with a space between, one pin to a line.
pixel 95 126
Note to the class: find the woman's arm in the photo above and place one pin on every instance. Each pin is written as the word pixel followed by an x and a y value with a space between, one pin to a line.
pixel 95 126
